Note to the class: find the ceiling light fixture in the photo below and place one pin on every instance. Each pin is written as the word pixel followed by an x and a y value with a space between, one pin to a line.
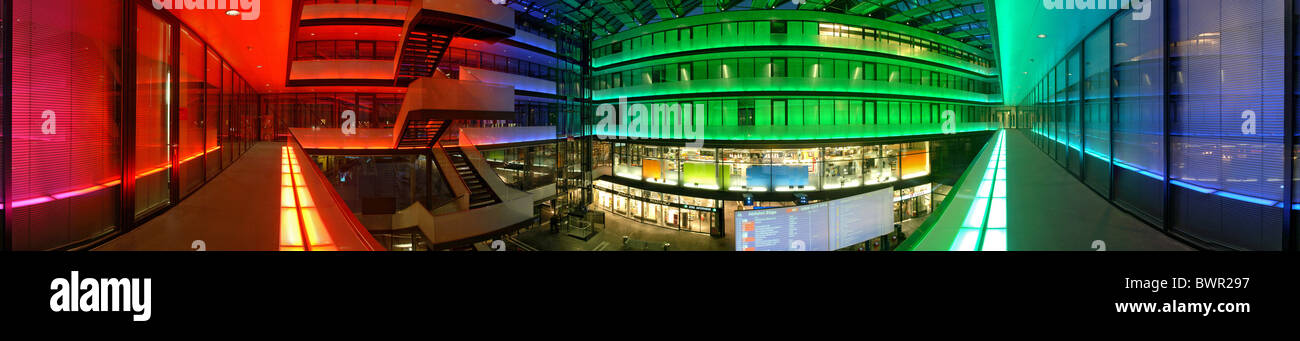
pixel 1040 36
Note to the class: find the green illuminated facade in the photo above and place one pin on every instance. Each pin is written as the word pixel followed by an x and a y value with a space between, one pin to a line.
pixel 781 75
pixel 777 78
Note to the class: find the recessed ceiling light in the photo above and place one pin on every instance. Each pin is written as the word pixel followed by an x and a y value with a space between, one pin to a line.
pixel 232 12
pixel 1040 35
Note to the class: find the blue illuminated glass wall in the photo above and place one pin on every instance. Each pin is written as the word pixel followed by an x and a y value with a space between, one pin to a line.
pixel 1196 92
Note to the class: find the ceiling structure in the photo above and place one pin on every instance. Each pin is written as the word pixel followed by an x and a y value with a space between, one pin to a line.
pixel 256 49
pixel 963 20
pixel 1032 38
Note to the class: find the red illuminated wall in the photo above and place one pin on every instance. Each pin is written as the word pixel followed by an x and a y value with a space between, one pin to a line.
pixel 65 60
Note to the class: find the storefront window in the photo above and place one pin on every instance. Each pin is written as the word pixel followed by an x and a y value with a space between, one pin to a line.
pixel 763 170
pixel 915 159
pixel 746 169
pixel 699 168
pixel 659 165
pixel 627 160
pixel 881 164
pixel 658 209
pixel 796 169
pixel 843 167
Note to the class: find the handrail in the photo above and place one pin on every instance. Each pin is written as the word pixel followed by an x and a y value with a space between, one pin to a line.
pixel 355 225
pixel 922 231
pixel 439 147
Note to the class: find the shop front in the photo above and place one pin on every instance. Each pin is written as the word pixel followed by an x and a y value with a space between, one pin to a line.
pixel 678 212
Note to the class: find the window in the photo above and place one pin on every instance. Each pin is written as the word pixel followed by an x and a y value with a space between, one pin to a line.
pixel 746 112
pixel 778 27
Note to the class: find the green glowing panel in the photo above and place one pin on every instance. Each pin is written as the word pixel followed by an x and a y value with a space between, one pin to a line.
pixel 793 84
pixel 995 240
pixel 997 213
pixel 986 188
pixel 703 174
pixel 802 30
pixel 975 217
pixel 967 239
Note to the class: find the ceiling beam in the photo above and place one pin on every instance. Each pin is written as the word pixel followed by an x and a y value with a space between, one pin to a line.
pixel 865 7
pixel 815 4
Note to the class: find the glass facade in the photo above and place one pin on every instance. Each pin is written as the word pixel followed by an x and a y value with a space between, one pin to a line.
pixel 69 87
pixel 65 174
pixel 835 80
pixel 767 170
pixel 524 168
pixel 667 210
pixel 1202 126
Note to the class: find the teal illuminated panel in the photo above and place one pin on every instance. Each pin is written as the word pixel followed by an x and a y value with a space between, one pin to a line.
pixel 975 218
pixel 997 213
pixel 986 221
pixel 995 240
pixel 967 239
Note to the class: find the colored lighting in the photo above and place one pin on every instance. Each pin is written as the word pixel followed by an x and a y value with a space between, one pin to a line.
pixel 301 227
pixel 985 225
pixel 95 188
pixel 1203 190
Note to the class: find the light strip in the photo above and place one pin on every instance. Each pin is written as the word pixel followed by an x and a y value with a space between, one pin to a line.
pixel 95 188
pixel 301 228
pixel 1203 190
pixel 985 225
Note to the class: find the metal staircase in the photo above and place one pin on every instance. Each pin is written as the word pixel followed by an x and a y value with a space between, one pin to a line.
pixel 480 194
pixel 422 133
pixel 421 52
pixel 430 30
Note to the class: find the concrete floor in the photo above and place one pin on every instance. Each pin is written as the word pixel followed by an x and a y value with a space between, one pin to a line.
pixel 238 210
pixel 1049 209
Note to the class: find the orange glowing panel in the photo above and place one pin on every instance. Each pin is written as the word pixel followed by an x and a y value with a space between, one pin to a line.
pixel 304 198
pixel 651 169
pixel 286 198
pixel 290 231
pixel 301 227
pixel 916 164
pixel 316 233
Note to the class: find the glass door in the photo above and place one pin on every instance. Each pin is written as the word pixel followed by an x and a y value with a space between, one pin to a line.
pixel 153 138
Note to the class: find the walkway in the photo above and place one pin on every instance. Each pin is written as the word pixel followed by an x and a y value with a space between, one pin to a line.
pixel 1046 209
pixel 241 210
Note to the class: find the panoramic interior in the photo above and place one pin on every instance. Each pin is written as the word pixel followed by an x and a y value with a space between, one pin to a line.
pixel 648 125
